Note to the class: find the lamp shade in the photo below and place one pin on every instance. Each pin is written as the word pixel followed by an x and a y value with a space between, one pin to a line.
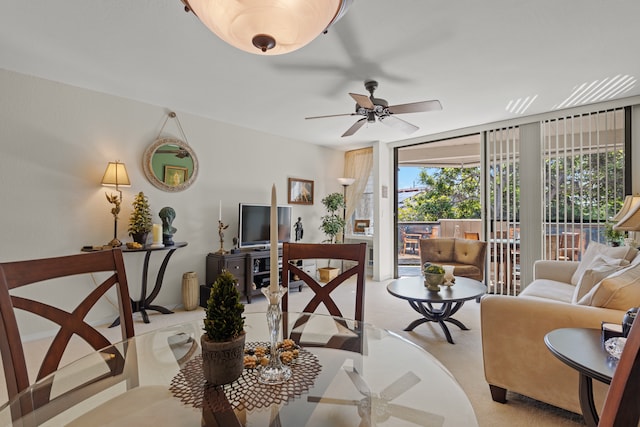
pixel 631 221
pixel 271 27
pixel 629 203
pixel 346 181
pixel 116 175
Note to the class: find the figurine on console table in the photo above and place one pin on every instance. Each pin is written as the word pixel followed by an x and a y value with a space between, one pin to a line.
pixel 167 215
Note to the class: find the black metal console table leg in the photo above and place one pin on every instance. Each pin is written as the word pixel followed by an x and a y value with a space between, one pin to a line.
pixel 144 303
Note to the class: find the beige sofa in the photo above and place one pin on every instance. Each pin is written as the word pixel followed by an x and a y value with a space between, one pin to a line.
pixel 563 294
pixel 467 256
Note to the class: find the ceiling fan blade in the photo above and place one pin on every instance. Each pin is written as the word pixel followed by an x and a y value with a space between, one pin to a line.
pixel 399 386
pixel 357 380
pixel 362 100
pixel 354 128
pixel 334 401
pixel 399 124
pixel 415 416
pixel 415 107
pixel 330 115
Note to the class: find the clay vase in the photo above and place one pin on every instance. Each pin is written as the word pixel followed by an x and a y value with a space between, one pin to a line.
pixel 222 362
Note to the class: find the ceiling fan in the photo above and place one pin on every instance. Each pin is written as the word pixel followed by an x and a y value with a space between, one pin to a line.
pixel 372 108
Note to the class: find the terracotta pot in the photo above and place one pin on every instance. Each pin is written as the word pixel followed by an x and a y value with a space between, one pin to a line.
pixel 222 362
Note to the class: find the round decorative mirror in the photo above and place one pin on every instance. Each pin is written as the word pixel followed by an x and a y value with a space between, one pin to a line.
pixel 170 164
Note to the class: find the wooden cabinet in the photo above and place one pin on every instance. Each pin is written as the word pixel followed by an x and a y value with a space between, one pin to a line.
pixel 251 268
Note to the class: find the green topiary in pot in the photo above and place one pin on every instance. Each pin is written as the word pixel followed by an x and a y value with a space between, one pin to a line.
pixel 224 337
pixel 140 223
pixel 223 315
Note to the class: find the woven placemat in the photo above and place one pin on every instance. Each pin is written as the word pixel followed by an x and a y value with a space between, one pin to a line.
pixel 245 393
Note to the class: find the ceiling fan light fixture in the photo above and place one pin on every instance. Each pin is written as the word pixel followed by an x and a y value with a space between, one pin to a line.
pixel 271 27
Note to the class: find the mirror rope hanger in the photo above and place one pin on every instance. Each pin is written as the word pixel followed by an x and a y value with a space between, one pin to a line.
pixel 172 115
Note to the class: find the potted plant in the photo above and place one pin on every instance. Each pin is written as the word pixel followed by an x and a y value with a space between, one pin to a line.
pixel 332 224
pixel 140 220
pixel 223 340
pixel 615 237
pixel 433 276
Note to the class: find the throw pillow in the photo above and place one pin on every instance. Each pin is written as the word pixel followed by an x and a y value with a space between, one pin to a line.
pixel 594 250
pixel 619 291
pixel 601 267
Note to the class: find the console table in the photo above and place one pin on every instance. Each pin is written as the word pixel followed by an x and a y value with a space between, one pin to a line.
pixel 144 303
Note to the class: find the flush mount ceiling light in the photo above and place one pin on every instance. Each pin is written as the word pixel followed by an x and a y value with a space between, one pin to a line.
pixel 270 27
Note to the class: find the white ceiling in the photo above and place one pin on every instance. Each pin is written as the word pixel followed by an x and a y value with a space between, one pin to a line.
pixel 474 56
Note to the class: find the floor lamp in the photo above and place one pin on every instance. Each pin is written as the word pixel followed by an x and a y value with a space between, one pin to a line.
pixel 115 176
pixel 345 182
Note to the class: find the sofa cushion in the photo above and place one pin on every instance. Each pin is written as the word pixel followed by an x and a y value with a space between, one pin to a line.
pixel 549 289
pixel 601 267
pixel 596 249
pixel 619 291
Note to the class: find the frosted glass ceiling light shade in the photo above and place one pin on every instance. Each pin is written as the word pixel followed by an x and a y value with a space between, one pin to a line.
pixel 270 27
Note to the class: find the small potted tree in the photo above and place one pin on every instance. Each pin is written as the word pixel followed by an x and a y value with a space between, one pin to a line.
pixel 332 224
pixel 140 223
pixel 224 337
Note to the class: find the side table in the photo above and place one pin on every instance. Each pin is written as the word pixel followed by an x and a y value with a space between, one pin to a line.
pixel 144 303
pixel 449 298
pixel 582 349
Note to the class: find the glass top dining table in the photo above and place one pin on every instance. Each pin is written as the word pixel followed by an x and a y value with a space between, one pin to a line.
pixel 387 381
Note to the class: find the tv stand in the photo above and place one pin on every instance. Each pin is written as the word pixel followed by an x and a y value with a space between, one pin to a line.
pixel 250 268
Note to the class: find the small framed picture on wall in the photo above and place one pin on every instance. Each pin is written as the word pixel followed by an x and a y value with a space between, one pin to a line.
pixel 300 191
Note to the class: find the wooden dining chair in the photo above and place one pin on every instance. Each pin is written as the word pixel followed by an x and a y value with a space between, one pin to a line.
pixel 348 338
pixel 621 407
pixel 37 275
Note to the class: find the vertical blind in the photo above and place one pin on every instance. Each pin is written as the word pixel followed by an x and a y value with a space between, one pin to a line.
pixel 502 209
pixel 583 180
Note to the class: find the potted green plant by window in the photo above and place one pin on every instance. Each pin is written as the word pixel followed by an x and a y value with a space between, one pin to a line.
pixel 615 237
pixel 223 340
pixel 332 224
pixel 140 220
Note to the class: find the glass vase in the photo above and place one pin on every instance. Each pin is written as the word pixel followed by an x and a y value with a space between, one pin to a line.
pixel 275 372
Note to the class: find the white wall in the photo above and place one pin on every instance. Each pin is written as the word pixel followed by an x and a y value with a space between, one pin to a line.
pixel 56 140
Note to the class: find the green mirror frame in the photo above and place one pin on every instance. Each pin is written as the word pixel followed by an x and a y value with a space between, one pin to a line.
pixel 170 164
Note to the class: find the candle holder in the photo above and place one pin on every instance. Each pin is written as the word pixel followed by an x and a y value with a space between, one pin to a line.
pixel 275 372
pixel 221 228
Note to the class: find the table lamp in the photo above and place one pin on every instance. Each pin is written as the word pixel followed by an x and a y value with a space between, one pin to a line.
pixel 115 176
pixel 628 219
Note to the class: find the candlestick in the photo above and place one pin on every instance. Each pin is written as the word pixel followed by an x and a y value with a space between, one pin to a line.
pixel 273 277
pixel 220 211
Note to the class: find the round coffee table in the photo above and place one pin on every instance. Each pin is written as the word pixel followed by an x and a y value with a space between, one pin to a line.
pixel 449 298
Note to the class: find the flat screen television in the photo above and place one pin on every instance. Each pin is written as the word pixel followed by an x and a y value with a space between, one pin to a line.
pixel 254 225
